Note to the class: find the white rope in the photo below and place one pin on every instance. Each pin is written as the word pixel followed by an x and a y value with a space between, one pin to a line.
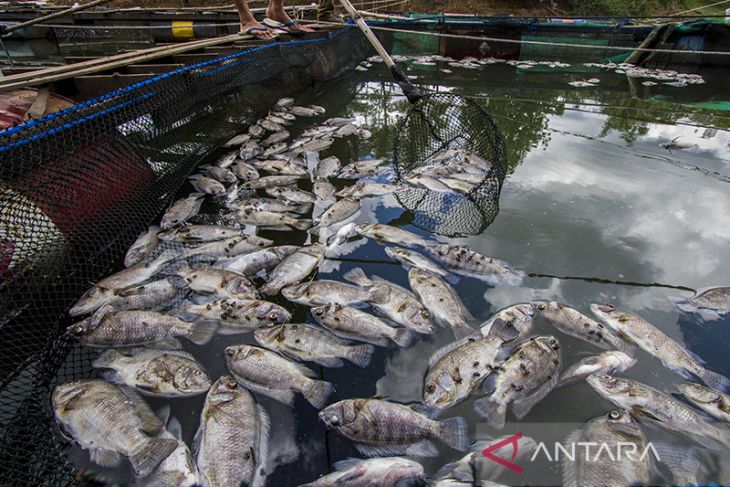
pixel 539 43
pixel 700 8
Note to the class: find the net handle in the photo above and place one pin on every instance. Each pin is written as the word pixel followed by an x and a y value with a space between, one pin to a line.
pixel 411 92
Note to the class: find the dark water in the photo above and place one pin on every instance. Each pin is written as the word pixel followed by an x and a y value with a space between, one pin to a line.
pixel 594 209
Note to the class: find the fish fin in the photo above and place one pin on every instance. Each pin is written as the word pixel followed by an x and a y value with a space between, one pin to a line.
pixel 302 209
pixel 683 462
pixel 462 330
pixel 430 412
pixel 453 471
pixel 329 362
pixel 360 355
pixel 197 440
pixel 346 464
pixel 318 392
pixel 284 396
pixel 403 337
pixel 438 354
pixel 378 295
pixel 154 451
pixel 523 405
pixel 301 225
pixel 114 377
pixel 164 414
pixel 423 448
pixel 570 377
pixel 715 380
pixel 151 424
pixel 503 330
pixel 492 411
pixel 174 427
pixel 259 478
pixel 381 450
pixel 106 359
pixel 455 433
pixel 202 332
pixel 166 344
pixel 568 467
pixel 99 315
pixel 104 457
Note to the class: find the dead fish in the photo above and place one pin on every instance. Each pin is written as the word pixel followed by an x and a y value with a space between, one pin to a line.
pixel 465 261
pixel 292 195
pixel 111 422
pixel 353 324
pixel 320 292
pixel 272 375
pixel 239 139
pixel 345 130
pixel 525 378
pixel 312 344
pixel 245 171
pixel 103 291
pixel 574 323
pixel 383 472
pixel 282 167
pixel 294 268
pixel 660 410
pixel 441 301
pixel 271 204
pixel 327 168
pixel 363 133
pixel 218 282
pixel 613 362
pixel 131 328
pixel 324 191
pixel 285 102
pixel 516 318
pixel 270 125
pixel 717 298
pixel 159 373
pixel 285 115
pixel 255 130
pixel 276 138
pixel 315 145
pixel 143 246
pixel 206 185
pixel 383 428
pixel 654 342
pixel 366 190
pixel 232 442
pixel 250 149
pixel 302 111
pixel 200 234
pixel 674 145
pixel 181 211
pixel 610 431
pixel 275 149
pixel 178 469
pixel 272 220
pixel 229 247
pixel 278 119
pixel 270 182
pixel 338 121
pixel 149 295
pixel 238 315
pixel 390 234
pixel 335 214
pixel 411 258
pixel 401 306
pixel 318 109
pixel 220 174
pixel 360 169
pixel 714 403
pixel 261 260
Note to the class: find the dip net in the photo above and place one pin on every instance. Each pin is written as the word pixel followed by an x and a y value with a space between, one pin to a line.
pixel 439 133
pixel 78 186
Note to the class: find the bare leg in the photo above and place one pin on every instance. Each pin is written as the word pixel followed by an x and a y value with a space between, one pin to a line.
pixel 276 11
pixel 248 21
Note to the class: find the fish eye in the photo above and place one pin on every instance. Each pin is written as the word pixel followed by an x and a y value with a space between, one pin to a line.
pixel 318 312
pixel 614 414
pixel 334 420
pixel 198 372
pixel 425 313
pixel 232 384
pixel 430 388
pixel 541 307
pixel 76 330
pixel 230 352
pixel 273 316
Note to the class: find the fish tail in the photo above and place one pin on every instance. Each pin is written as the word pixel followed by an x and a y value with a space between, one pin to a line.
pixel 301 224
pixel 360 355
pixel 357 276
pixel 318 392
pixel 302 209
pixel 153 451
pixel 203 331
pixel 106 359
pixel 715 380
pixel 492 411
pixel 403 337
pixel 455 433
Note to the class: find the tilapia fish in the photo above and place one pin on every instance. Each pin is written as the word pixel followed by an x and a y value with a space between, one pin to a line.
pixel 382 428
pixel 148 296
pixel 361 168
pixel 218 282
pixel 717 298
pixel 103 291
pixel 181 211
pixel 142 247
pixel 612 363
pixel 109 328
pixel 200 234
pixel 229 247
pixel 270 182
pixel 714 403
pixel 393 235
pixel 337 213
pixel 220 174
pixel 178 469
pixel 513 322
pixel 293 268
pixel 441 301
pixel 674 357
pixel 609 432
pixel 400 305
pixel 111 422
pixel 381 472
pixel 162 373
pixel 321 292
pixel 238 315
pixel 463 260
pixel 354 324
pixel 312 344
pixel 411 258
pixel 292 195
pixel 231 444
pixel 272 375
pixel 272 220
pixel 207 185
pixel 366 190
pixel 457 369
pixel 244 171
pixel 276 137
pixel 255 262
pixel 327 168
pixel 660 409
pixel 239 139
pixel 271 204
pixel 475 469
pixel 525 378
pixel 574 323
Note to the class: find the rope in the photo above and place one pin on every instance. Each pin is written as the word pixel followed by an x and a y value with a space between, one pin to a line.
pixel 700 8
pixel 537 43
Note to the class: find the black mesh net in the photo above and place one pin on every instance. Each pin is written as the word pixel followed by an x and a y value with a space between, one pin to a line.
pixel 444 135
pixel 78 186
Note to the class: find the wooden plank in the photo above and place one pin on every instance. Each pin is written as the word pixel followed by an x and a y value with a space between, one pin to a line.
pixel 151 68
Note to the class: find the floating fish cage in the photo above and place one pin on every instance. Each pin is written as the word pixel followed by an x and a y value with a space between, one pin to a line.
pixel 80 184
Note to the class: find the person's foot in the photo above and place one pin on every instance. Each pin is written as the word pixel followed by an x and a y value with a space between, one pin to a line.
pixel 279 14
pixel 258 30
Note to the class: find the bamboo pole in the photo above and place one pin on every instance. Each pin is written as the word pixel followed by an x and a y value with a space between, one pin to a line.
pixel 55 15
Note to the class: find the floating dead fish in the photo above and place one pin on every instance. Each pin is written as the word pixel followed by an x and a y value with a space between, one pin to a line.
pixel 320 292
pixel 244 171
pixel 367 190
pixel 612 363
pixel 261 260
pixel 285 102
pixel 239 139
pixel 143 246
pixel 220 174
pixel 292 195
pixel 463 260
pixel 199 234
pixel 229 247
pixel 270 182
pixel 354 324
pixel 238 315
pixel 410 258
pixel 335 214
pixel 182 210
pixel 714 403
pixel 218 282
pixel 374 471
pixel 276 137
pixel 294 268
pixel 302 111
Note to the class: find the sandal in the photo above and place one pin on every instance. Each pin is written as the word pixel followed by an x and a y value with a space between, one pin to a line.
pixel 274 24
pixel 257 31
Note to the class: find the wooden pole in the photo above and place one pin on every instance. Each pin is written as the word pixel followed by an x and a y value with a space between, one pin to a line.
pixel 55 15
